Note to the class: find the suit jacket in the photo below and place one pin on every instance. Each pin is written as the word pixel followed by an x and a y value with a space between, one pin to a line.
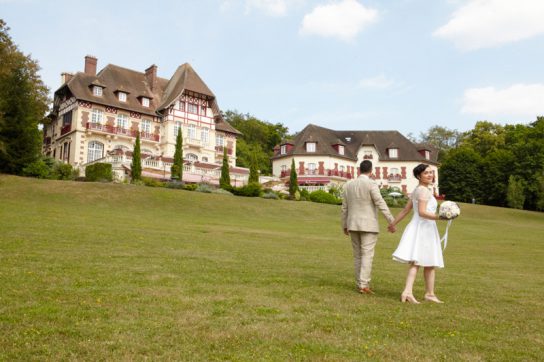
pixel 360 205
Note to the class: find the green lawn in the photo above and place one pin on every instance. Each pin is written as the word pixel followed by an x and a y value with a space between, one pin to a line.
pixel 92 271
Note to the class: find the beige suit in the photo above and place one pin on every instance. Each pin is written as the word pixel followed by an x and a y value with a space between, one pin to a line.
pixel 360 205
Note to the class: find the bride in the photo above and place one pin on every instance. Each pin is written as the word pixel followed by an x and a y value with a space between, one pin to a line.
pixel 420 242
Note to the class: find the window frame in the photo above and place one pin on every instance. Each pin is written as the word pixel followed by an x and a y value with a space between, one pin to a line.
pixel 93 152
pixel 311 147
pixel 97 116
pixel 98 91
pixel 393 152
pixel 124 118
pixel 122 96
pixel 145 102
pixel 144 126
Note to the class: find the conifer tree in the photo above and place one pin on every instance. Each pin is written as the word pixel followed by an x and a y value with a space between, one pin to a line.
pixel 224 181
pixel 23 104
pixel 177 167
pixel 253 172
pixel 293 181
pixel 136 161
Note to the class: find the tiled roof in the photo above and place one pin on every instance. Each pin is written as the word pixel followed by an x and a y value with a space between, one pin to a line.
pixel 184 78
pixel 164 92
pixel 113 78
pixel 352 141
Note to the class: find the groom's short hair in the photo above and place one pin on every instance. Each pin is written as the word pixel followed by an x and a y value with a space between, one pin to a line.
pixel 366 166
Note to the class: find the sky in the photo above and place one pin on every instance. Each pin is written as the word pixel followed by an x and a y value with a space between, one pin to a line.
pixel 405 65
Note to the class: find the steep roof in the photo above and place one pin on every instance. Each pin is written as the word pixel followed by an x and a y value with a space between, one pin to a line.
pixel 184 78
pixel 116 79
pixel 352 141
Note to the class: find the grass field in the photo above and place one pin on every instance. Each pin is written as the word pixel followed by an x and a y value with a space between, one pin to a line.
pixel 92 271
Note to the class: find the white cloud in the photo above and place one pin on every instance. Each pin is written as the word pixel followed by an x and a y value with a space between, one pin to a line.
pixel 343 20
pixel 270 7
pixel 490 23
pixel 518 100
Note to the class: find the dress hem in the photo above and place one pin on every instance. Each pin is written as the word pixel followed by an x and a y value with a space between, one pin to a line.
pixel 415 262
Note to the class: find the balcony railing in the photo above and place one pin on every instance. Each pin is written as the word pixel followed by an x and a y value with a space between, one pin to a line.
pixel 122 131
pixel 219 149
pixel 394 178
pixel 315 172
pixel 65 129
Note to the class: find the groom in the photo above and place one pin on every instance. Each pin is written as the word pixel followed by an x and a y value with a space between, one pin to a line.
pixel 361 200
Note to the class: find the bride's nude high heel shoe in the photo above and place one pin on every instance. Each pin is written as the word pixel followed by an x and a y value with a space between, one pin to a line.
pixel 408 298
pixel 433 298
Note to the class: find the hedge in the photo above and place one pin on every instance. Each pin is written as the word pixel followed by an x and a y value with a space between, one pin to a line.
pixel 99 172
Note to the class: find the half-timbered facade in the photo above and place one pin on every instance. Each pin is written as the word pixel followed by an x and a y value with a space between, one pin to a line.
pixel 325 157
pixel 97 116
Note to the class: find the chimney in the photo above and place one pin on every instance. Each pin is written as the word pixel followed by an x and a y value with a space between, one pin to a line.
pixel 90 65
pixel 65 77
pixel 151 76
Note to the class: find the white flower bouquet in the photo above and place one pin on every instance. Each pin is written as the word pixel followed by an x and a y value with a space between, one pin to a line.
pixel 449 210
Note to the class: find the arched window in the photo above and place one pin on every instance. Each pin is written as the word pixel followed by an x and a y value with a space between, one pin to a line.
pixel 191 157
pixel 95 151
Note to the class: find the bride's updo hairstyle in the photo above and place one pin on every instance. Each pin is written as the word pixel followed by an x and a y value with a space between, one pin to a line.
pixel 418 170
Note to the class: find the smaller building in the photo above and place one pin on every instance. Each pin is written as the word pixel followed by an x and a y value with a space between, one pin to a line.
pixel 325 157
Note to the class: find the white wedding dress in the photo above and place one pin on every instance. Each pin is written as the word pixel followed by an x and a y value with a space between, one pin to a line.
pixel 420 242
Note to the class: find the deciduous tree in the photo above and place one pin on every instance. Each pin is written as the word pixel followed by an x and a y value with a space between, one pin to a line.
pixel 23 104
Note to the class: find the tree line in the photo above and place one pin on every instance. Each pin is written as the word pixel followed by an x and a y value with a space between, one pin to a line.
pixel 492 164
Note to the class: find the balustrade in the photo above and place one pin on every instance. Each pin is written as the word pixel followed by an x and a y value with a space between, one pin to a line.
pixel 122 131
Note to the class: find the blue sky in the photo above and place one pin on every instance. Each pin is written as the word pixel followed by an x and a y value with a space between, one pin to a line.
pixel 401 65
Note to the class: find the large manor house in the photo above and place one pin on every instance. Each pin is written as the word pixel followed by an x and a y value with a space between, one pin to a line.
pixel 96 117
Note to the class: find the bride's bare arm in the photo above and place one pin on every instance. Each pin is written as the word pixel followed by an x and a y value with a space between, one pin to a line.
pixel 403 213
pixel 422 209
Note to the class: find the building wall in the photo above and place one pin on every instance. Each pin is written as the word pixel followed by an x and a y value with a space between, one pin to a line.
pixel 79 136
pixel 406 183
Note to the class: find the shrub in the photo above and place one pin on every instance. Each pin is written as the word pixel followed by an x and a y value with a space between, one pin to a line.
pixel 324 197
pixel 304 194
pixel 270 195
pixel 249 190
pixel 99 172
pixel 204 188
pixel 191 187
pixel 63 171
pixel 38 168
pixel 175 185
pixel 151 182
pixel 336 191
pixel 221 192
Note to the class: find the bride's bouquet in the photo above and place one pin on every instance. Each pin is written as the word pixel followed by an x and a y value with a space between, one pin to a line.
pixel 449 210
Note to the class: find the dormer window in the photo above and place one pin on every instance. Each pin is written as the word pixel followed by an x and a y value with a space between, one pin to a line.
pixel 145 101
pixel 97 91
pixel 283 149
pixel 122 97
pixel 427 155
pixel 340 149
pixel 310 146
pixel 393 153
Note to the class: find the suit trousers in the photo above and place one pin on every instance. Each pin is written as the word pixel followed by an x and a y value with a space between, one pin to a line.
pixel 363 253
